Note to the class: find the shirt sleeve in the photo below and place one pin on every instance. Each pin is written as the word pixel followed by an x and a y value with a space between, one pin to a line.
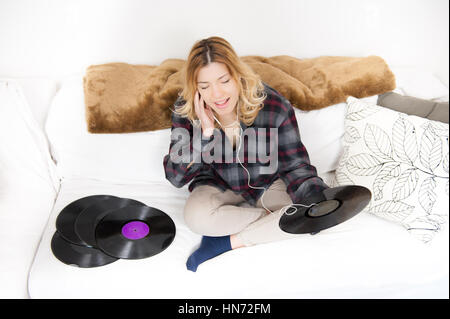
pixel 295 169
pixel 187 144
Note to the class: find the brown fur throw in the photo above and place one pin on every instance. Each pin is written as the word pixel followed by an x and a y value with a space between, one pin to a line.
pixel 123 98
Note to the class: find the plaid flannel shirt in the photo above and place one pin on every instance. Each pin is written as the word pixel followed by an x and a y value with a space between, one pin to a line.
pixel 293 165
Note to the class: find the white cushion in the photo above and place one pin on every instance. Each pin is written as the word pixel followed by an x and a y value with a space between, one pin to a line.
pixel 28 187
pixel 38 92
pixel 403 160
pixel 350 260
pixel 24 148
pixel 136 157
pixel 413 81
pixel 321 132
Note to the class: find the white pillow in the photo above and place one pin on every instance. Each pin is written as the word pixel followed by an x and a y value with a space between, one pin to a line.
pixel 38 92
pixel 28 187
pixel 24 154
pixel 321 132
pixel 403 160
pixel 413 81
pixel 131 157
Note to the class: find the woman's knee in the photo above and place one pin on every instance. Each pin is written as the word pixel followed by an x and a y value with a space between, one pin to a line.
pixel 196 220
pixel 197 210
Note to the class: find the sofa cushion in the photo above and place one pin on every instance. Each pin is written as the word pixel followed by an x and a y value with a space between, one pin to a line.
pixel 436 111
pixel 28 187
pixel 403 160
pixel 370 259
pixel 420 83
pixel 136 157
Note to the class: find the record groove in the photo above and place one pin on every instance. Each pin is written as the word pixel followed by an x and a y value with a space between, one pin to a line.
pixel 155 232
pixel 128 229
pixel 78 255
pixel 339 204
pixel 66 219
pixel 88 219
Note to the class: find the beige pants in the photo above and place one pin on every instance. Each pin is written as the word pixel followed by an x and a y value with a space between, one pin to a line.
pixel 211 212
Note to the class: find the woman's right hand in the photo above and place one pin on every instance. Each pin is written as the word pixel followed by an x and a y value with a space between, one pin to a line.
pixel 204 114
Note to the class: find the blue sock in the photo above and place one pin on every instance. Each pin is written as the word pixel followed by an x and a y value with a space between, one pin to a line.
pixel 210 247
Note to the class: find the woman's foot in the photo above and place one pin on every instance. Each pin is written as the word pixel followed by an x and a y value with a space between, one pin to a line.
pixel 235 242
pixel 210 247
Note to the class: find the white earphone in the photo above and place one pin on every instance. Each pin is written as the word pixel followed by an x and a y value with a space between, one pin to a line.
pixel 284 208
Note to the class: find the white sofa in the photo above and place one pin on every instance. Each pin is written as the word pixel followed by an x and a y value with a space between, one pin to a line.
pixel 49 160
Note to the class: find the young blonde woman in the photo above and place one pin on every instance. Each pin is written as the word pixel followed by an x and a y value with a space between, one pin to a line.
pixel 235 203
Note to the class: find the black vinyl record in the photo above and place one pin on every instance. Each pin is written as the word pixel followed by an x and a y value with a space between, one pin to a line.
pixel 135 232
pixel 339 204
pixel 65 221
pixel 87 220
pixel 78 255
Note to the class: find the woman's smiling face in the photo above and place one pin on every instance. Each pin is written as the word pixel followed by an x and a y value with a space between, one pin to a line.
pixel 218 89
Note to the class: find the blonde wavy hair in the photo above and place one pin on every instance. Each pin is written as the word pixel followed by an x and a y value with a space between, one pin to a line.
pixel 216 49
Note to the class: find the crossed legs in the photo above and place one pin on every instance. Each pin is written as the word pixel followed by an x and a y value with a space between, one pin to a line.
pixel 211 212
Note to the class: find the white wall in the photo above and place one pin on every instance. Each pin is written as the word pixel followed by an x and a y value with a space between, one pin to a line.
pixel 59 37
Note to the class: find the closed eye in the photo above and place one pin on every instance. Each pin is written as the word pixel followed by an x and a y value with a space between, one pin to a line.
pixel 222 82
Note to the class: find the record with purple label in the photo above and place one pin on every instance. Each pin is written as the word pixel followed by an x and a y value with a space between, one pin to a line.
pixel 78 255
pixel 88 219
pixel 66 219
pixel 135 232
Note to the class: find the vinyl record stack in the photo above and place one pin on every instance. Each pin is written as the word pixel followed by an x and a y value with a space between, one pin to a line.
pixel 100 229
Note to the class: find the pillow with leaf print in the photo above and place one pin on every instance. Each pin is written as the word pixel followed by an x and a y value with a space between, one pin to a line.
pixel 403 160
